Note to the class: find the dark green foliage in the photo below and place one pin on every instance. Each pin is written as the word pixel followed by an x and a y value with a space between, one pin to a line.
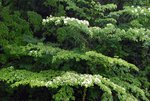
pixel 66 50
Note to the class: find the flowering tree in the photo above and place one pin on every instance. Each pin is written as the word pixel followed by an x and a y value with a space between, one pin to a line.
pixel 74 50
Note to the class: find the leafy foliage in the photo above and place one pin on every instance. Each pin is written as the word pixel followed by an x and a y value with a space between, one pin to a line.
pixel 83 50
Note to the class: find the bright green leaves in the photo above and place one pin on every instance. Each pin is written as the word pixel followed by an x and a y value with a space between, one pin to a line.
pixel 83 9
pixel 54 79
pixel 93 59
pixel 109 62
pixel 85 37
pixel 69 32
pixel 133 88
pixel 60 56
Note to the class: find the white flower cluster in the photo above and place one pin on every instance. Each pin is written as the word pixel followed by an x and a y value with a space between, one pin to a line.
pixel 33 52
pixel 86 80
pixel 47 19
pixel 139 10
pixel 97 79
pixel 66 20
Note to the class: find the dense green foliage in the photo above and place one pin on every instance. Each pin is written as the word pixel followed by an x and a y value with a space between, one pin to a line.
pixel 67 50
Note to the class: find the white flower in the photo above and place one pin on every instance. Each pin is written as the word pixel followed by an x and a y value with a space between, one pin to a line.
pixel 57 22
pixel 65 22
pixel 109 24
pixel 44 20
pixel 138 7
pixel 87 82
pixel 142 11
pixel 136 10
pixel 47 20
pixel 86 22
pixel 48 83
pixel 97 80
pixel 31 51
pixel 50 19
pixel 132 11
pixel 35 51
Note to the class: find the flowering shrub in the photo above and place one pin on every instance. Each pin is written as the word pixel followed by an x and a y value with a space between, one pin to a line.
pixel 84 51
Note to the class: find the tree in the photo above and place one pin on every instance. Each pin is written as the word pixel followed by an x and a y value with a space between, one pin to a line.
pixel 82 50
